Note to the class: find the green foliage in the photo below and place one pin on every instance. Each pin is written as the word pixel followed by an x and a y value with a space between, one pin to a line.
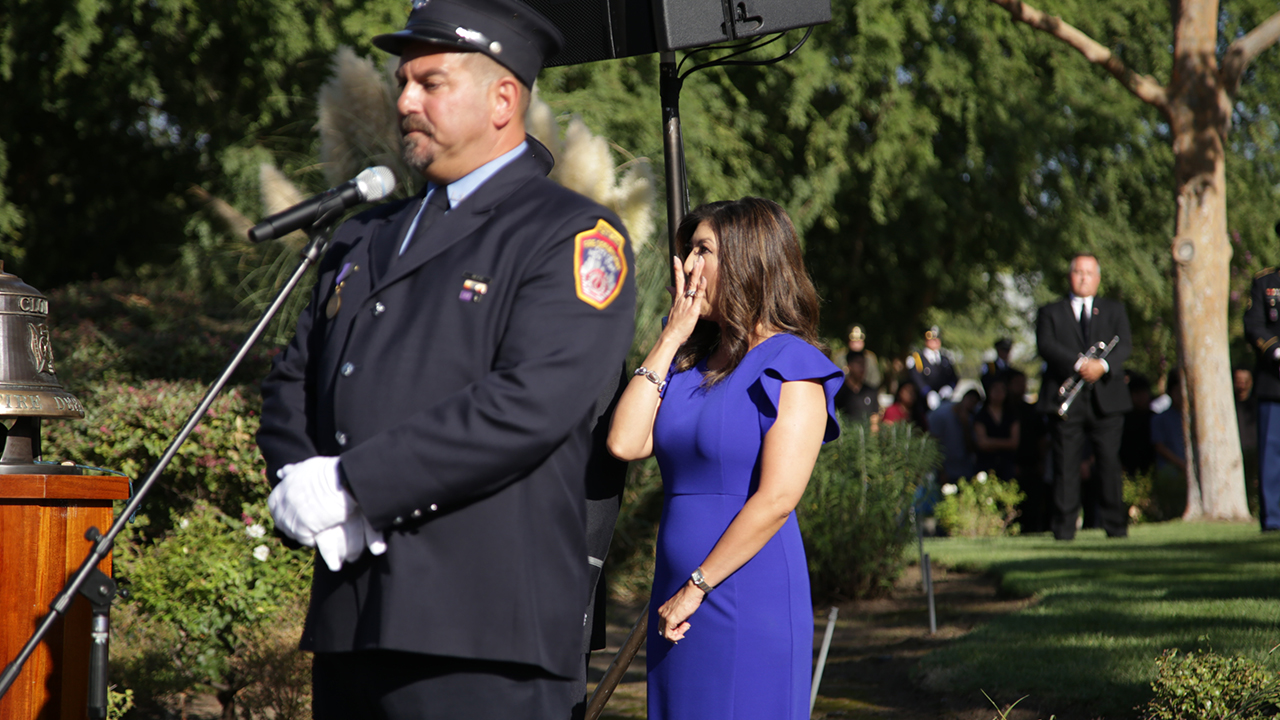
pixel 856 513
pixel 1156 495
pixel 113 110
pixel 211 585
pixel 1209 686
pixel 118 702
pixel 984 506
pixel 125 329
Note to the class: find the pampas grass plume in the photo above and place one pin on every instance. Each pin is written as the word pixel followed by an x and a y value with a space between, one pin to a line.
pixel 584 163
pixel 278 193
pixel 358 123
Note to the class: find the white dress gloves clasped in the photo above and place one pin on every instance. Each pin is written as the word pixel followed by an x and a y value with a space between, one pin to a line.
pixel 311 506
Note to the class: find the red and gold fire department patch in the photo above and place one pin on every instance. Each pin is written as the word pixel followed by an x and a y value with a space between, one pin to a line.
pixel 599 264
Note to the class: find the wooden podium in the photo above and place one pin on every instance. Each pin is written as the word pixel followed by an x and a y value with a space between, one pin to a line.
pixel 43 519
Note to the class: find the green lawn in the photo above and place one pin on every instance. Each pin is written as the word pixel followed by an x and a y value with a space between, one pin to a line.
pixel 1106 608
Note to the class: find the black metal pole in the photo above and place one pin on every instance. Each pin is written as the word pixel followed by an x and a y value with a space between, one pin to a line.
pixel 319 235
pixel 672 147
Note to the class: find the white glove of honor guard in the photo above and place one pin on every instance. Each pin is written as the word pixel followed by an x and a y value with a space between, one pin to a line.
pixel 933 400
pixel 346 542
pixel 311 506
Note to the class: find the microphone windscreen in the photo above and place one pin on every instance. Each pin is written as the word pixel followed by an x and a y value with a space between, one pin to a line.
pixel 376 182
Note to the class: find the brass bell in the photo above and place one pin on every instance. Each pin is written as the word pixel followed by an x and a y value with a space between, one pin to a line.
pixel 29 387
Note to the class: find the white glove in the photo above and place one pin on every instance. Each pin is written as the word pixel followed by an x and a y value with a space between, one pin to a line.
pixel 310 499
pixel 346 542
pixel 932 400
pixel 945 392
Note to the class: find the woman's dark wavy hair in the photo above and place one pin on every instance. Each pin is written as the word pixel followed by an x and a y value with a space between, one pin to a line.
pixel 762 281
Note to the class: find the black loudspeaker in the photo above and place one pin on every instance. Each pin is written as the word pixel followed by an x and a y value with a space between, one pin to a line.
pixel 683 24
pixel 605 29
pixel 600 29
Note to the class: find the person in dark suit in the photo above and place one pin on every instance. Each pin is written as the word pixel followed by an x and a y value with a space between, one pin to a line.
pixel 430 422
pixel 999 367
pixel 1064 331
pixel 857 400
pixel 1262 329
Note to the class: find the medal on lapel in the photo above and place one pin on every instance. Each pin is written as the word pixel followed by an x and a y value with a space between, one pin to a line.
pixel 335 301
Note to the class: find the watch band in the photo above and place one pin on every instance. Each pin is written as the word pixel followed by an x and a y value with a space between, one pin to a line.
pixel 701 581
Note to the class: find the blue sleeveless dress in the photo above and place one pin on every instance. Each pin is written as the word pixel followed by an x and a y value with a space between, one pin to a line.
pixel 749 649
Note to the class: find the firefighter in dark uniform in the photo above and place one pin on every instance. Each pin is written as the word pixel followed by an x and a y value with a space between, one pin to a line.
pixel 430 423
pixel 1262 329
pixel 933 374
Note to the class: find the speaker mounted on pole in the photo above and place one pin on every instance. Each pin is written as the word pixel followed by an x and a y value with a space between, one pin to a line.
pixel 607 29
pixel 683 25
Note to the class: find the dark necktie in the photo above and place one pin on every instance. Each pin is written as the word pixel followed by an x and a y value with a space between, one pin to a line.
pixel 1084 321
pixel 435 208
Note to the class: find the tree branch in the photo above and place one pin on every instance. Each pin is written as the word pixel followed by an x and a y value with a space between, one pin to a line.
pixel 1145 87
pixel 1243 50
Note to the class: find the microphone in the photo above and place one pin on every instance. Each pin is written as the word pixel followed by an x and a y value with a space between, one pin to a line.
pixel 371 185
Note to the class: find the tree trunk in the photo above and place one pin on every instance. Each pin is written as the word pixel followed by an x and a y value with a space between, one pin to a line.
pixel 1200 115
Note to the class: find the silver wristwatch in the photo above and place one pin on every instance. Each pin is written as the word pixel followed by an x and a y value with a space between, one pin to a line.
pixel 701 581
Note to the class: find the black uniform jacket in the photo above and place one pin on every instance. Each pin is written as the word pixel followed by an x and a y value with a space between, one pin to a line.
pixel 1060 343
pixel 459 390
pixel 929 376
pixel 1262 328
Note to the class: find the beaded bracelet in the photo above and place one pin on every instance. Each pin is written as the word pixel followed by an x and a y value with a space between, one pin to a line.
pixel 652 377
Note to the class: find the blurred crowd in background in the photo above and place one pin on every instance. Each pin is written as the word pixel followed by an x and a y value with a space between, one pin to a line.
pixel 990 423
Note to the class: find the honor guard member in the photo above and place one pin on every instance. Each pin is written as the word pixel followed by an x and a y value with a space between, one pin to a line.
pixel 999 367
pixel 429 425
pixel 856 399
pixel 933 374
pixel 1262 329
pixel 856 344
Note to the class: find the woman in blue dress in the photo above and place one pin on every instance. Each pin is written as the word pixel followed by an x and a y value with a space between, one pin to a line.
pixel 735 400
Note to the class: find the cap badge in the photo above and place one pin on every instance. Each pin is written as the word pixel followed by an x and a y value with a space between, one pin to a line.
pixel 419 4
pixel 475 37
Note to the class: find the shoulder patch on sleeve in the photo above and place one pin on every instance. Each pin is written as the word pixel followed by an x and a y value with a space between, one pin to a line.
pixel 599 264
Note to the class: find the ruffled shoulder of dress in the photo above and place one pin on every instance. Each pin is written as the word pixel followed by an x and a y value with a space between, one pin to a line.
pixel 790 359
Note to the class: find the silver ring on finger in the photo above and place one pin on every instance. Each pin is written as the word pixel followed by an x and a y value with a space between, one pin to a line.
pixel 690 292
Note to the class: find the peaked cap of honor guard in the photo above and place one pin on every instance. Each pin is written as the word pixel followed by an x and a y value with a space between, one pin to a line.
pixel 509 31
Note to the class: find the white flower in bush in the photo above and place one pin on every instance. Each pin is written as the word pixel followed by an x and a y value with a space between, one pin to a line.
pixel 981 477
pixel 950 489
pixel 184 523
pixel 255 531
pixel 261 552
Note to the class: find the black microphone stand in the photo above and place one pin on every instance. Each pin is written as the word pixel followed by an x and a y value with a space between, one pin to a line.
pixel 93 583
